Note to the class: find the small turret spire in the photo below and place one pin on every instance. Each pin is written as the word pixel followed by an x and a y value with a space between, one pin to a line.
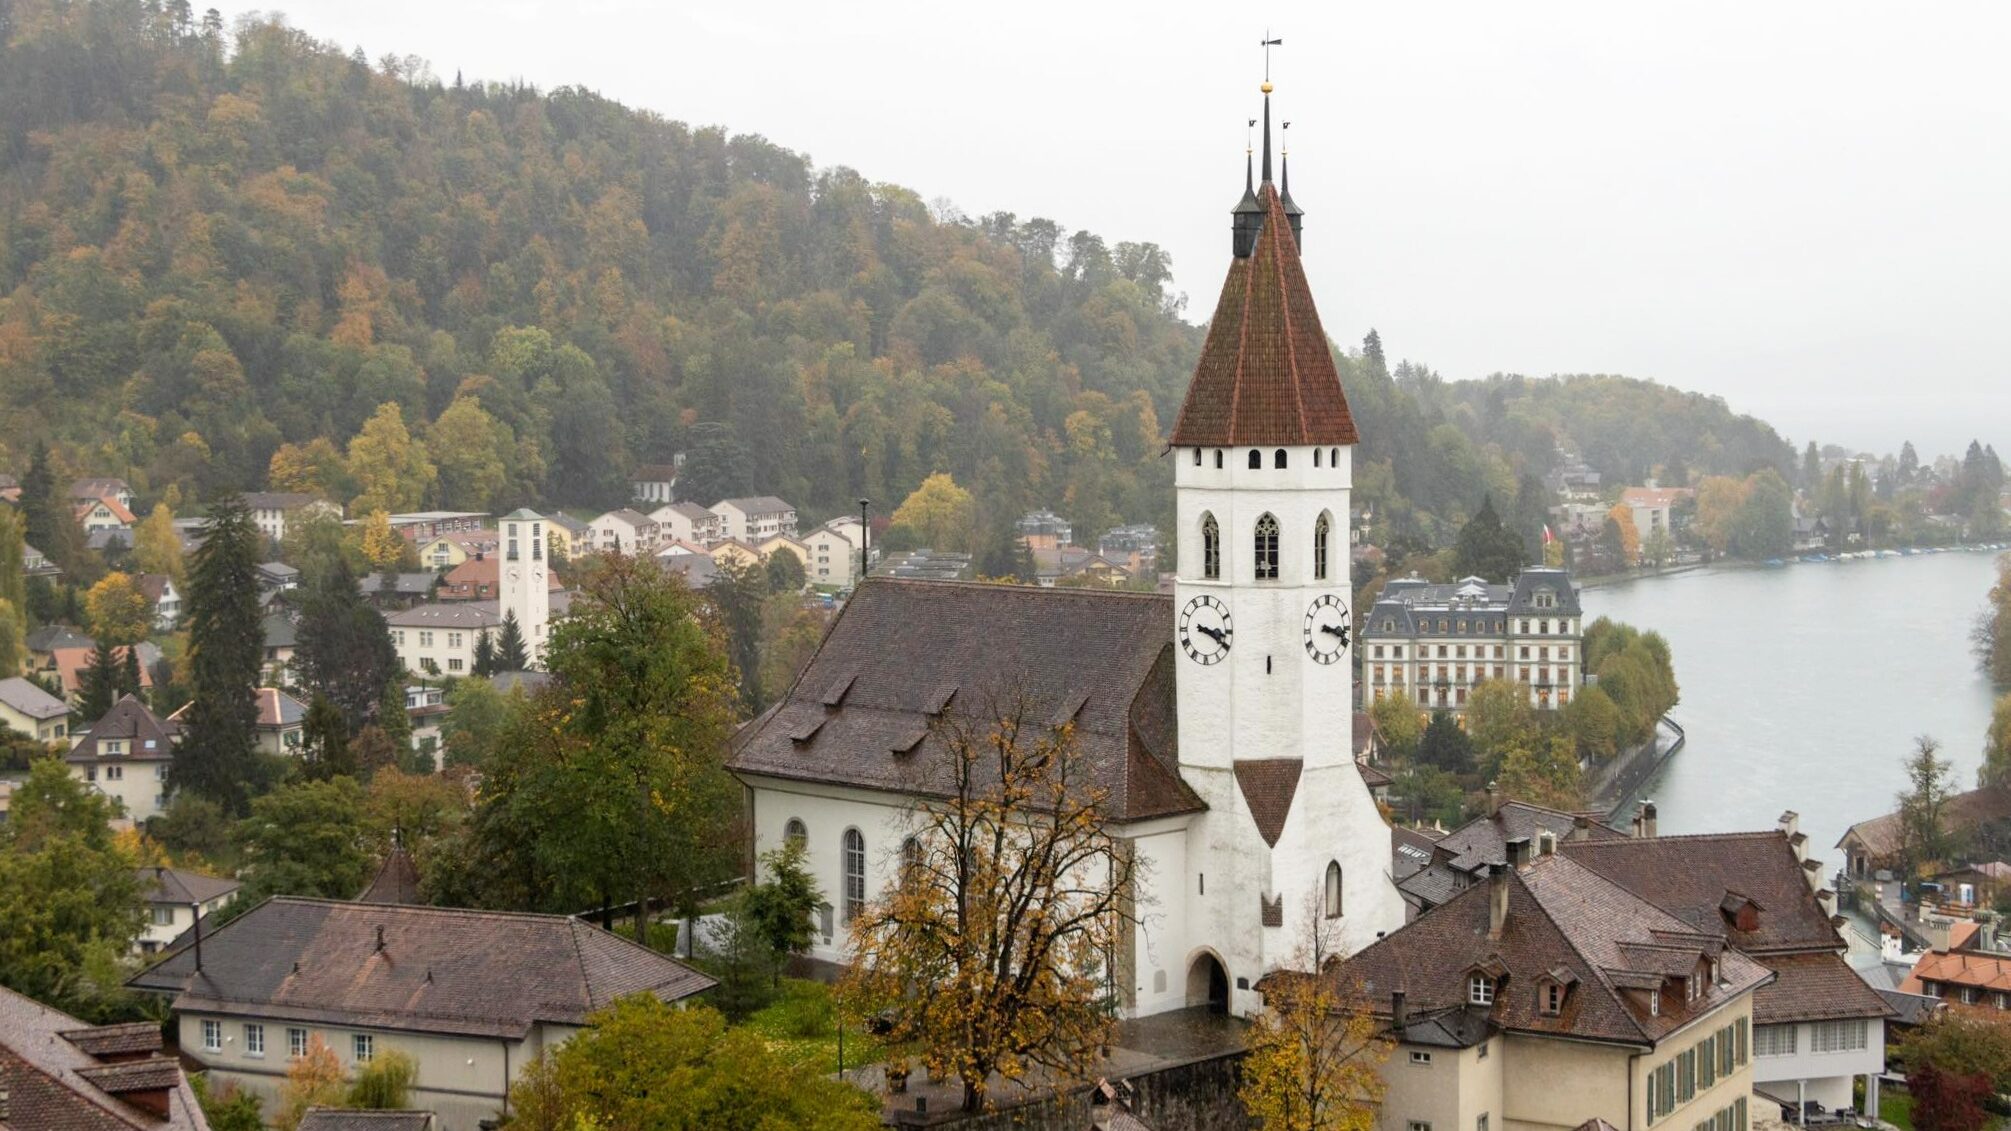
pixel 1267 133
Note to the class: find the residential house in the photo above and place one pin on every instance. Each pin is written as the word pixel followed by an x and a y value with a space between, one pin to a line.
pixel 450 550
pixel 51 640
pixel 1653 507
pixel 479 578
pixel 1880 843
pixel 164 598
pixel 421 527
pixel 27 709
pixel 125 756
pixel 1819 1027
pixel 92 490
pixel 1963 971
pixel 1972 886
pixel 566 536
pixel 1574 479
pixel 471 996
pixel 35 563
pixel 1460 858
pixel 1548 996
pixel 1437 642
pixel 1134 547
pixel 833 561
pixel 189 532
pixel 1045 530
pixel 755 519
pixel 106 515
pixel 654 483
pixel 174 898
pixel 426 710
pixel 280 724
pixel 697 570
pixel 112 543
pixel 277 577
pixel 63 653
pixel 397 590
pixel 361 1119
pixel 59 1074
pixel 282 638
pixel 688 522
pixel 734 552
pixel 625 531
pixel 786 544
pixel 440 639
pixel 272 510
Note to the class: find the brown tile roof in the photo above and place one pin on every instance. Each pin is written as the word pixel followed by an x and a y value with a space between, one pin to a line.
pixel 1266 375
pixel 1884 838
pixel 350 1119
pixel 52 1083
pixel 1815 987
pixel 438 970
pixel 1366 732
pixel 1268 785
pixel 1690 876
pixel 1565 922
pixel 904 651
pixel 180 886
pixel 397 880
pixel 477 579
pixel 147 735
pixel 113 1042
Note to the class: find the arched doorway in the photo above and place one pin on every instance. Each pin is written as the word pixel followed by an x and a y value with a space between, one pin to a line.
pixel 1208 983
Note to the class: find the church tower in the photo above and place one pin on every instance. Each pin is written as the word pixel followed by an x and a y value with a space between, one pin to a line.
pixel 1263 450
pixel 524 587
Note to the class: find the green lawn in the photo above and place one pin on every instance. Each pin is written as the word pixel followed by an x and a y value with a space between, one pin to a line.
pixel 800 1027
pixel 1896 1107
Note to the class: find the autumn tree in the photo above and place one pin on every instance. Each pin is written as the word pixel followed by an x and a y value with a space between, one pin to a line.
pixel 313 468
pixel 1996 768
pixel 1400 722
pixel 1992 636
pixel 157 548
pixel 383 547
pixel 469 447
pixel 217 756
pixel 1315 1053
pixel 119 612
pixel 990 955
pixel 1543 771
pixel 1930 783
pixel 315 1079
pixel 1622 517
pixel 938 514
pixel 1498 717
pixel 393 471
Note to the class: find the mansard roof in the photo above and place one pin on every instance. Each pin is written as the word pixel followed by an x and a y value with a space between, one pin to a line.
pixel 1266 376
pixel 904 656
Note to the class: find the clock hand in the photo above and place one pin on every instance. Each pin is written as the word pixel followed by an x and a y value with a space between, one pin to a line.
pixel 1215 634
pixel 1331 629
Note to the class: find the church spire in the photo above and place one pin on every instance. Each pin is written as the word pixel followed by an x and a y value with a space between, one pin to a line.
pixel 1294 215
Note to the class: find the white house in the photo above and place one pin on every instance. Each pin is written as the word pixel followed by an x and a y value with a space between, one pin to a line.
pixel 29 710
pixel 440 638
pixel 107 514
pixel 653 483
pixel 688 522
pixel 272 510
pixel 833 557
pixel 161 593
pixel 756 519
pixel 125 756
pixel 174 897
pixel 1218 717
pixel 110 487
pixel 1651 507
pixel 625 531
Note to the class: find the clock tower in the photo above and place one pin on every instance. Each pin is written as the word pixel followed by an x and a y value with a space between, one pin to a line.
pixel 1264 630
pixel 524 587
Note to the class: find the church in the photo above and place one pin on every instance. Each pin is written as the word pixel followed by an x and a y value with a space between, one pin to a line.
pixel 1219 720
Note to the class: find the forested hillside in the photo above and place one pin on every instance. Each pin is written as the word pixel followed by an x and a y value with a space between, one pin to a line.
pixel 222 253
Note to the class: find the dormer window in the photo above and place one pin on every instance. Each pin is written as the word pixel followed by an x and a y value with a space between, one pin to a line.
pixel 1693 987
pixel 1479 990
pixel 1550 999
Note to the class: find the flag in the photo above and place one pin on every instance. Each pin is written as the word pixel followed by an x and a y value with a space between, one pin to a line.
pixel 1548 537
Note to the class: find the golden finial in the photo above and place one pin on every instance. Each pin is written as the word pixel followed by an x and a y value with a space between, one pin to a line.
pixel 1266 88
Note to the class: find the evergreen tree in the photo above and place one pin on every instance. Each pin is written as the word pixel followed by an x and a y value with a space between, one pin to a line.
pixel 1445 745
pixel 218 756
pixel 392 719
pixel 98 683
pixel 1811 469
pixel 324 742
pixel 1486 548
pixel 129 671
pixel 345 650
pixel 51 525
pixel 511 656
pixel 485 656
pixel 715 465
pixel 1909 463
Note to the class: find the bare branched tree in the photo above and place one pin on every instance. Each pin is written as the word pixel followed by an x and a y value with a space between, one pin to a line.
pixel 992 954
pixel 1315 1051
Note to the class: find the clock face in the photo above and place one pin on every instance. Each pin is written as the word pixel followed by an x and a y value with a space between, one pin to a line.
pixel 537 575
pixel 1327 629
pixel 514 573
pixel 1205 630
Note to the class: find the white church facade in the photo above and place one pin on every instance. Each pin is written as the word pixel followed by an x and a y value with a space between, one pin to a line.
pixel 1219 720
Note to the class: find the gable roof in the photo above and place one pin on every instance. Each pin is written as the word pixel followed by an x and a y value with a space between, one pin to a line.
pixel 1969 968
pixel 154 585
pixel 25 698
pixel 180 886
pixel 115 507
pixel 1884 838
pixel 438 970
pixel 654 473
pixel 151 737
pixel 1816 987
pixel 1564 922
pixel 627 516
pixel 902 653
pixel 282 500
pixel 61 1075
pixel 1266 375
pixel 755 504
pixel 1690 876
pixel 397 880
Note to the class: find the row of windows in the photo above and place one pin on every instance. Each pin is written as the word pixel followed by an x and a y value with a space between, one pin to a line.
pixel 852 860
pixel 362 1046
pixel 1525 626
pixel 1731 1117
pixel 1264 546
pixel 1696 1069
pixel 1333 458
pixel 1479 1121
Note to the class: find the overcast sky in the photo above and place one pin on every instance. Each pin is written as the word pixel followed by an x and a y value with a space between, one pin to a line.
pixel 1804 208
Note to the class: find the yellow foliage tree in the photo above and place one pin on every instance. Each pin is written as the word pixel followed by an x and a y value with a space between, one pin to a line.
pixel 1543 772
pixel 1630 535
pixel 312 468
pixel 468 445
pixel 1719 499
pixel 383 547
pixel 940 513
pixel 315 1080
pixel 392 470
pixel 156 546
pixel 119 612
pixel 1315 1053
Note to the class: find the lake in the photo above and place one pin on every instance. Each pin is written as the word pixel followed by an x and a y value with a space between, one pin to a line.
pixel 1803 687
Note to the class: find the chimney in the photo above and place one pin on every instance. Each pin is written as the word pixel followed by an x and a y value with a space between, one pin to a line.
pixel 1581 827
pixel 1493 798
pixel 380 938
pixel 1497 899
pixel 1518 852
pixel 197 909
pixel 1644 825
pixel 1399 1013
pixel 1790 823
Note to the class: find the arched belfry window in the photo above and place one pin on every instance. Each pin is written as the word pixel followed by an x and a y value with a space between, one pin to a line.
pixel 1256 460
pixel 1278 460
pixel 1211 548
pixel 1334 457
pixel 1197 457
pixel 1316 456
pixel 1321 529
pixel 1267 548
pixel 1218 459
pixel 1333 890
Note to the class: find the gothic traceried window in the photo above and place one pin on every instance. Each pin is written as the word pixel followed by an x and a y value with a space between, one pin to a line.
pixel 1321 529
pixel 1267 548
pixel 1211 548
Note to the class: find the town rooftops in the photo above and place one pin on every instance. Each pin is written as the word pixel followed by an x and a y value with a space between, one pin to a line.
pixel 1815 987
pixel 1703 879
pixel 280 500
pixel 755 505
pixel 562 519
pixel 98 488
pixel 27 699
pixel 629 516
pixel 418 969
pixel 420 518
pixel 147 736
pixel 1883 838
pixel 51 637
pixel 902 655
pixel 117 508
pixel 58 1074
pixel 1471 606
pixel 402 584
pixel 1563 925
pixel 1654 496
pixel 276 709
pixel 460 614
pixel 356 1119
pixel 181 887
pixel 1265 376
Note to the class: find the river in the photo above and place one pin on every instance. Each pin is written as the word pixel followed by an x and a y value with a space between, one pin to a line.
pixel 1803 687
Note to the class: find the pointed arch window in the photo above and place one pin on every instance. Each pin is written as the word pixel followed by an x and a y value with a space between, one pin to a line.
pixel 1278 460
pixel 1322 528
pixel 1334 457
pixel 1218 459
pixel 1197 457
pixel 1333 890
pixel 1267 548
pixel 1211 548
pixel 855 874
pixel 1256 460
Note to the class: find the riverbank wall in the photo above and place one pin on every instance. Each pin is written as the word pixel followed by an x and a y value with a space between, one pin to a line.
pixel 1611 787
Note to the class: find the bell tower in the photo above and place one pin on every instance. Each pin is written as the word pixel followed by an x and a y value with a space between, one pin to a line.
pixel 1264 632
pixel 524 587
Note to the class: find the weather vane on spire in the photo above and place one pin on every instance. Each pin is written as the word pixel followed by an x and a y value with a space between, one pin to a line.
pixel 1267 43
